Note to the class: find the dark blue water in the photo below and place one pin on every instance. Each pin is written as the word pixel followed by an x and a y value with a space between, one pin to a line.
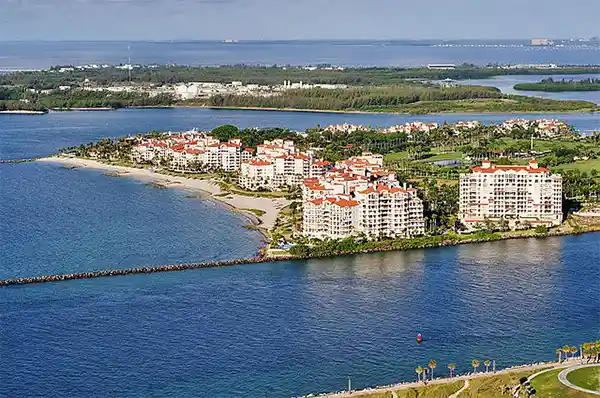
pixel 284 329
pixel 25 136
pixel 26 55
pixel 277 329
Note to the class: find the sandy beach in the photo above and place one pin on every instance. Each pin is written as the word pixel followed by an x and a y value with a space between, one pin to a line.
pixel 271 206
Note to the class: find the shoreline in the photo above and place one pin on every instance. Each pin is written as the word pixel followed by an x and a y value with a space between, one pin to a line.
pixel 233 202
pixel 22 112
pixel 300 110
pixel 440 381
pixel 350 112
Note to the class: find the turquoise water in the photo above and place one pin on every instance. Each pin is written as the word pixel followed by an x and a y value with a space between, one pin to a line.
pixel 275 330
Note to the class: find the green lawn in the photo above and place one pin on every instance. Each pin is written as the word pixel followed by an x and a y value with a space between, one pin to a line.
pixel 538 145
pixel 443 156
pixel 548 386
pixel 588 378
pixel 581 165
pixel 430 391
pixel 392 157
pixel 494 385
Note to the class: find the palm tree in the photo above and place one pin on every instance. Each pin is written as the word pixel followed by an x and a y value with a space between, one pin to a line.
pixel 475 364
pixel 566 349
pixel 432 364
pixel 486 363
pixel 559 353
pixel 573 351
pixel 452 366
pixel 419 370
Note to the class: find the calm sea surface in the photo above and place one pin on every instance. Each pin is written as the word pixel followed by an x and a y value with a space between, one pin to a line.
pixel 506 84
pixel 284 329
pixel 24 55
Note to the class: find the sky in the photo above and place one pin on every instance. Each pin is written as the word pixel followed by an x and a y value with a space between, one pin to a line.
pixel 296 19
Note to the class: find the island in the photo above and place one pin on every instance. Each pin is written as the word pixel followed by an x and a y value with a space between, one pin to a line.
pixel 432 89
pixel 556 86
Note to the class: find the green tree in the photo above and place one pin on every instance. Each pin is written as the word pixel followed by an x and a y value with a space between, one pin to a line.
pixel 486 363
pixel 452 366
pixel 432 364
pixel 419 371
pixel 475 364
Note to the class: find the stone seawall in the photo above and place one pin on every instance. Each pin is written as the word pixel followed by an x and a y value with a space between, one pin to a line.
pixel 255 260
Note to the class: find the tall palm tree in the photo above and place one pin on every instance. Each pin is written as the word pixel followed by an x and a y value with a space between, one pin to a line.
pixel 419 370
pixel 559 353
pixel 475 364
pixel 566 349
pixel 452 366
pixel 432 364
pixel 486 363
pixel 573 351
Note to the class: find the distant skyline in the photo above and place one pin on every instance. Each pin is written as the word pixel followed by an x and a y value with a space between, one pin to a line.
pixel 296 19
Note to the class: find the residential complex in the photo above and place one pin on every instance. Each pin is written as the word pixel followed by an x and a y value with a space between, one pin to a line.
pixel 357 197
pixel 191 151
pixel 279 164
pixel 522 195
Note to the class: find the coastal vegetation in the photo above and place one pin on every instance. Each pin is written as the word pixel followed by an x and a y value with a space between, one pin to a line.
pixel 268 75
pixel 398 90
pixel 412 98
pixel 551 85
pixel 19 99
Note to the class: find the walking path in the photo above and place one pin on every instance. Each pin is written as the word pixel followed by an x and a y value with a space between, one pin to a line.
pixel 562 377
pixel 463 388
pixel 466 378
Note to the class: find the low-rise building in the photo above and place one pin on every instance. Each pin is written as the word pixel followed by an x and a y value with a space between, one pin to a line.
pixel 520 195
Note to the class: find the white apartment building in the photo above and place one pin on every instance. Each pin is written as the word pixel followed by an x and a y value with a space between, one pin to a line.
pixel 520 194
pixel 179 151
pixel 278 163
pixel 360 197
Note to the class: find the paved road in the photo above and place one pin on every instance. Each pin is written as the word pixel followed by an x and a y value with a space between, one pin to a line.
pixel 562 377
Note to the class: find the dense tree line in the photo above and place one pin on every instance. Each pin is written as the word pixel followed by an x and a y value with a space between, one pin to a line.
pixel 359 98
pixel 169 74
pixel 57 99
pixel 551 85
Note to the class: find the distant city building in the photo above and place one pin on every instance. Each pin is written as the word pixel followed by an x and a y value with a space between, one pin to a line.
pixel 519 194
pixel 541 42
pixel 441 66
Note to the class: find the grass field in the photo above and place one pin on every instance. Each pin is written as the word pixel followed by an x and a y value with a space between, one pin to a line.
pixel 495 385
pixel 538 145
pixel 582 165
pixel 588 378
pixel 430 391
pixel 548 386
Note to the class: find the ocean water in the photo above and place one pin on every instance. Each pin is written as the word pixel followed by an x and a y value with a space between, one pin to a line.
pixel 43 54
pixel 291 328
pixel 25 136
pixel 506 84
pixel 273 330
